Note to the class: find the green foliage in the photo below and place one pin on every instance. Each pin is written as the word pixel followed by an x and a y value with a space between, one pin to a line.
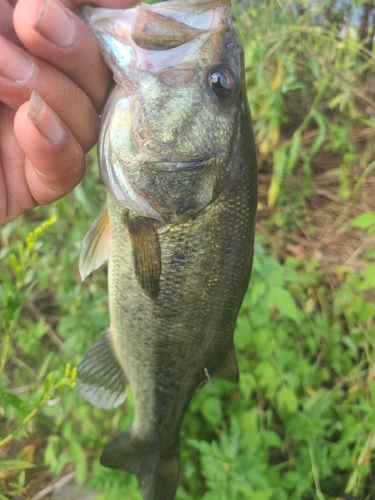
pixel 21 259
pixel 301 424
pixel 306 87
pixel 364 221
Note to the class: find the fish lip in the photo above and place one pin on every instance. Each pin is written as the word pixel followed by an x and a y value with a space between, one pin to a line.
pixel 169 166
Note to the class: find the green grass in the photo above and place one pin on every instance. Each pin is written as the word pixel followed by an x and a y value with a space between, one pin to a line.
pixel 301 423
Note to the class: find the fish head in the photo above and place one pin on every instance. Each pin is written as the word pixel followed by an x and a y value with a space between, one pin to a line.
pixel 170 125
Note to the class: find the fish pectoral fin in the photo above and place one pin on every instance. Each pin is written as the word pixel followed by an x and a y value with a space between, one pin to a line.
pixel 95 246
pixel 228 370
pixel 146 253
pixel 100 378
pixel 157 472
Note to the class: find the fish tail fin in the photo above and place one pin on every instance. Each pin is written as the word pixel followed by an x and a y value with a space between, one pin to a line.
pixel 157 472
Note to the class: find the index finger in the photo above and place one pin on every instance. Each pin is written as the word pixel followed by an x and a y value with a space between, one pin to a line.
pixel 6 21
pixel 109 4
pixel 49 30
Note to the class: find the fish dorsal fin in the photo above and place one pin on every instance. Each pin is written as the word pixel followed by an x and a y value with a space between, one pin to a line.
pixel 228 370
pixel 100 378
pixel 146 253
pixel 95 246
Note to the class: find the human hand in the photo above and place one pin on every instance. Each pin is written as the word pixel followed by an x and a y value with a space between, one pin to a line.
pixel 44 135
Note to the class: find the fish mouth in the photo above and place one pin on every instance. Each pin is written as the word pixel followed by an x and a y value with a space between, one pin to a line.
pixel 170 166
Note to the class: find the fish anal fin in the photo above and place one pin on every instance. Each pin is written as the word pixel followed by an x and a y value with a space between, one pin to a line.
pixel 228 369
pixel 157 472
pixel 100 378
pixel 95 246
pixel 146 253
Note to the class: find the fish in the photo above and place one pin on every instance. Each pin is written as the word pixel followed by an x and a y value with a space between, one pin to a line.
pixel 177 155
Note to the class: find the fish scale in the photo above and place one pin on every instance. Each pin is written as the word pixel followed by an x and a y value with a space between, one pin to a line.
pixel 177 155
pixel 203 295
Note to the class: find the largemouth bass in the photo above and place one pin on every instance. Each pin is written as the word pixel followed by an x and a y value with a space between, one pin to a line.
pixel 176 153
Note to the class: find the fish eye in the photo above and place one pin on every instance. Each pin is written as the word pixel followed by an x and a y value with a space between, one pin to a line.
pixel 222 81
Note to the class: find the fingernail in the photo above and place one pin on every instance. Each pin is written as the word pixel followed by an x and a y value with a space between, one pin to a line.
pixel 55 24
pixel 45 120
pixel 13 64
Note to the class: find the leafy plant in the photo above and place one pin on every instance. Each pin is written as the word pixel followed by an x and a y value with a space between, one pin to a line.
pixel 307 89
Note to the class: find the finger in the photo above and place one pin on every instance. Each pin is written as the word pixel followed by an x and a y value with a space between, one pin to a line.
pixel 15 196
pixel 52 32
pixel 55 161
pixel 109 4
pixel 20 73
pixel 6 21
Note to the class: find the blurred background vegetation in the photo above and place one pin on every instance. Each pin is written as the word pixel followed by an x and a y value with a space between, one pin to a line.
pixel 301 423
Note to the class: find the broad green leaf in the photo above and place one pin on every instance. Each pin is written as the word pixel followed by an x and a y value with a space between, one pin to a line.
pixel 244 488
pixel 266 374
pixel 15 401
pixel 283 301
pixel 8 465
pixel 242 334
pixel 250 421
pixel 5 279
pixel 369 275
pixel 315 68
pixel 256 292
pixel 364 220
pixel 262 495
pixel 270 438
pixel 287 399
pixel 279 494
pixel 211 410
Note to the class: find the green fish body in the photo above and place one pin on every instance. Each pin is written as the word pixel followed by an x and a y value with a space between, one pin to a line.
pixel 177 154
